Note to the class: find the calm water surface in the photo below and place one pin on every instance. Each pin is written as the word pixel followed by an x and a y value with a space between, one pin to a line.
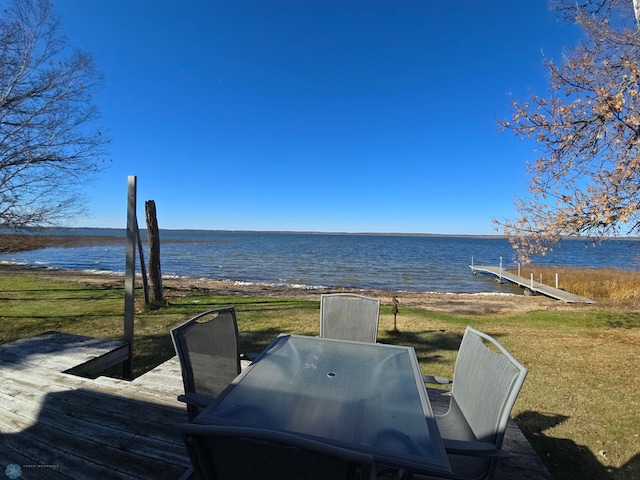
pixel 394 262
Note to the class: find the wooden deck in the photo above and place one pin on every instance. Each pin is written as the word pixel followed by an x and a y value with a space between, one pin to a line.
pixel 77 354
pixel 56 425
pixel 533 286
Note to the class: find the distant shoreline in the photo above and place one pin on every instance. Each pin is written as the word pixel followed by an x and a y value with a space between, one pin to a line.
pixel 73 231
pixel 77 232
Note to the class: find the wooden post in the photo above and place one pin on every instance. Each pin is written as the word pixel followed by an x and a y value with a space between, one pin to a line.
pixel 153 234
pixel 130 275
pixel 143 270
pixel 395 312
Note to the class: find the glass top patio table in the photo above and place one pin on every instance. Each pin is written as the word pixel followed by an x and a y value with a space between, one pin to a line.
pixel 362 396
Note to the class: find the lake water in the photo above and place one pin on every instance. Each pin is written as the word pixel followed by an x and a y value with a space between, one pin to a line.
pixel 394 262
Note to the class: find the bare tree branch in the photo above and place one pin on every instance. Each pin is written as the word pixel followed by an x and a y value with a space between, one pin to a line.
pixel 49 142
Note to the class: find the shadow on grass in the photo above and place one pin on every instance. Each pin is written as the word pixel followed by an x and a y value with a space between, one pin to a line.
pixel 152 349
pixel 566 459
pixel 427 343
pixel 247 309
pixel 149 351
pixel 628 321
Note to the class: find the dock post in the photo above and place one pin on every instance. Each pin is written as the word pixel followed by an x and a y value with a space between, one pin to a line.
pixel 532 280
pixel 500 269
pixel 130 274
pixel 556 280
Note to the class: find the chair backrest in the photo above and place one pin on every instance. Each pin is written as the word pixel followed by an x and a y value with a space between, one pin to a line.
pixel 207 346
pixel 347 316
pixel 223 452
pixel 486 383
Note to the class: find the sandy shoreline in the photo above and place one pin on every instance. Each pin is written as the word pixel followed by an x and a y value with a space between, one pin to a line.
pixel 462 303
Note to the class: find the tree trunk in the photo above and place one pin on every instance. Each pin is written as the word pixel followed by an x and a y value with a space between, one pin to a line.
pixel 155 276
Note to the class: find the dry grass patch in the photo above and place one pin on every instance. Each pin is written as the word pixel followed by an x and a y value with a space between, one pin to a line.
pixel 583 380
pixel 599 284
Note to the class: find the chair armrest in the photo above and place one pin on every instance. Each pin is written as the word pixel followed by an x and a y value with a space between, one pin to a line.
pixel 436 380
pixel 473 449
pixel 199 401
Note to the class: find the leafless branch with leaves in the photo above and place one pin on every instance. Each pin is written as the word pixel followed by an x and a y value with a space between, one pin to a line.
pixel 586 181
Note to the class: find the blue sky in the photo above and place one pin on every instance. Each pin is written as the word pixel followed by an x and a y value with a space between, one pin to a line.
pixel 314 115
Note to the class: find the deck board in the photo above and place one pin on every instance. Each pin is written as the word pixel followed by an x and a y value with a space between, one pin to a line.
pixel 84 428
pixel 111 428
pixel 63 351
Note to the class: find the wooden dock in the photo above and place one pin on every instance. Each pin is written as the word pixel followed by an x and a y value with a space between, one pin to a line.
pixel 56 425
pixel 530 286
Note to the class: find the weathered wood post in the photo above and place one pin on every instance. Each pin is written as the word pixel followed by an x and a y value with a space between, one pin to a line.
pixel 143 270
pixel 153 234
pixel 130 274
pixel 395 312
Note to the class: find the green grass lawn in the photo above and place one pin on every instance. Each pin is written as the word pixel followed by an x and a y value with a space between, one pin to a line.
pixel 579 405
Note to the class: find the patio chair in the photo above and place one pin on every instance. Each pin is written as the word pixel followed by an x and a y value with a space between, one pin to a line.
pixel 486 383
pixel 347 316
pixel 232 453
pixel 207 346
